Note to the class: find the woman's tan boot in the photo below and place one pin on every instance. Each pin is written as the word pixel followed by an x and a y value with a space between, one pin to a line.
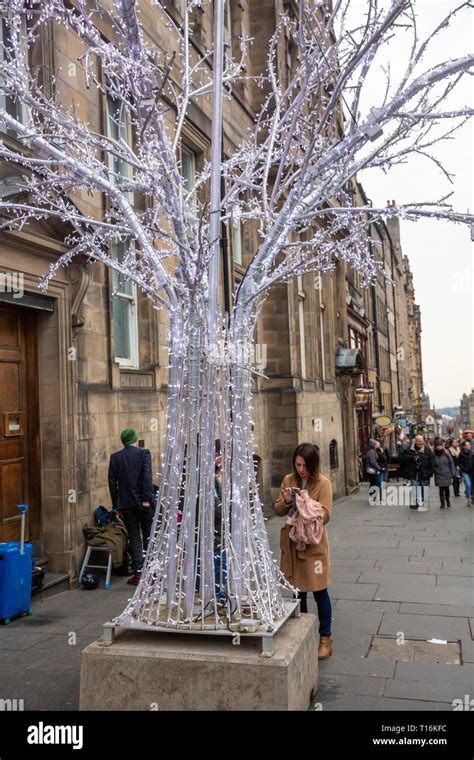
pixel 325 647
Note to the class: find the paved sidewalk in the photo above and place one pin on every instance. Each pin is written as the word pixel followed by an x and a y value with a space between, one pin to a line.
pixel 402 576
pixel 396 573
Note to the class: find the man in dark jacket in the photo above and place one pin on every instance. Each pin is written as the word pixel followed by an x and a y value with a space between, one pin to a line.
pixel 418 467
pixel 131 492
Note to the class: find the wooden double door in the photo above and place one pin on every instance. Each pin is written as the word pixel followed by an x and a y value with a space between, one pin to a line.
pixel 19 422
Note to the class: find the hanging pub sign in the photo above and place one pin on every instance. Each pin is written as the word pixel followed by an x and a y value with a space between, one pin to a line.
pixel 382 421
pixel 363 395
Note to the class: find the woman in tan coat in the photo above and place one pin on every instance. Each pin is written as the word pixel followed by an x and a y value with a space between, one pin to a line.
pixel 308 570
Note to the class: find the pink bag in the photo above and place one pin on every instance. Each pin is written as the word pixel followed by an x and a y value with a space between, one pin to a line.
pixel 307 524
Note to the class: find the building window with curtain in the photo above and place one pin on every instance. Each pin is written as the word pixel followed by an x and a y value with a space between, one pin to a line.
pixel 124 312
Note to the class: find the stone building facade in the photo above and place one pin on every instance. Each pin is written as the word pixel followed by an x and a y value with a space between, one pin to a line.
pixel 466 411
pixel 90 358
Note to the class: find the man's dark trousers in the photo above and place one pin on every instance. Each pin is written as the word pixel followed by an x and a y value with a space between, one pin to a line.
pixel 138 521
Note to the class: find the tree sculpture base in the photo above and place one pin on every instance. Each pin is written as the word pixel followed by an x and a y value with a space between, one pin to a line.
pixel 142 671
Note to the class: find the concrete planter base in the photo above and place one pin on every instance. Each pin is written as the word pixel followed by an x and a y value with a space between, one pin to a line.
pixel 154 671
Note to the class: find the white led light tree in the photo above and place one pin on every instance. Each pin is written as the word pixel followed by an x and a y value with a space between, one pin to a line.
pixel 289 178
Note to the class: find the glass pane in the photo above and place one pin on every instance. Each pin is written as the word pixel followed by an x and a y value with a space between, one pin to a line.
pixel 119 281
pixel 237 243
pixel 121 309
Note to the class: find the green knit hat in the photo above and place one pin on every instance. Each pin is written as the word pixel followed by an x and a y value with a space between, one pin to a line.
pixel 128 436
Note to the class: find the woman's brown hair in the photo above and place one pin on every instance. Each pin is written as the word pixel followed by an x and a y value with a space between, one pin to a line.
pixel 310 453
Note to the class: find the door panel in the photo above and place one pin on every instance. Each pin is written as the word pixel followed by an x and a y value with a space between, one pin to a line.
pixel 11 487
pixel 17 389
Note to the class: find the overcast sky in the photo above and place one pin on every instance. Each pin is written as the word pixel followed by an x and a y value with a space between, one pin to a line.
pixel 440 253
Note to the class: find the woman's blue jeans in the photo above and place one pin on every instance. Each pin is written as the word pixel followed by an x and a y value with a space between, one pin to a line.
pixel 467 482
pixel 323 602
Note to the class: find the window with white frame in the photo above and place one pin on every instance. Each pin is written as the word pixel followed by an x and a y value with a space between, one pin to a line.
pixel 118 128
pixel 125 312
pixel 236 231
pixel 9 103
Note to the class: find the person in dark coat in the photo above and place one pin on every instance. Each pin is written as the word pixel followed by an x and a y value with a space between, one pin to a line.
pixel 455 452
pixel 373 470
pixel 418 467
pixel 383 458
pixel 466 466
pixel 131 492
pixel 443 468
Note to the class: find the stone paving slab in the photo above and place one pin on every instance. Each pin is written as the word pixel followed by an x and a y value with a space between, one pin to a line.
pixel 360 606
pixel 361 703
pixel 426 690
pixel 357 564
pixel 460 569
pixel 362 666
pixel 344 575
pixel 414 650
pixel 407 592
pixel 422 580
pixel 445 610
pixel 425 626
pixel 434 673
pixel 353 590
pixel 404 566
pixel 353 622
pixel 467 650
pixel 351 684
pixel 371 552
pixel 369 541
pixel 13 640
pixel 455 581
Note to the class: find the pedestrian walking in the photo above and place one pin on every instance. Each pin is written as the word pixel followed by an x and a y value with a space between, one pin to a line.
pixel 383 459
pixel 418 467
pixel 373 469
pixel 443 469
pixel 455 452
pixel 131 492
pixel 466 466
pixel 307 565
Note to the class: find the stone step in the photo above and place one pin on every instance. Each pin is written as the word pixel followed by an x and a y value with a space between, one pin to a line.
pixel 41 561
pixel 54 583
